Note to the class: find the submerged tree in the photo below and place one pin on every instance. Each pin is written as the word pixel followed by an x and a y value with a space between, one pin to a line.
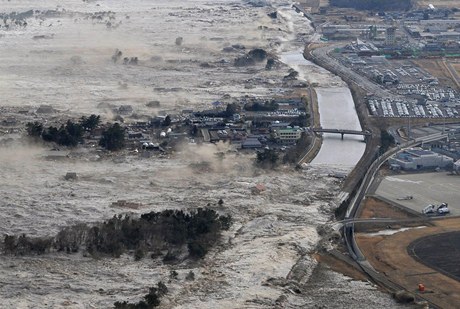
pixel 267 158
pixel 91 122
pixel 113 138
pixel 151 300
pixel 35 129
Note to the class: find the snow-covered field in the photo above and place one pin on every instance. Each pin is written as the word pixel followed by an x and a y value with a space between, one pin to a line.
pixel 265 256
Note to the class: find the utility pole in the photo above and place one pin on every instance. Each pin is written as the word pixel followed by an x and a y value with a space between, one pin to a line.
pixel 408 128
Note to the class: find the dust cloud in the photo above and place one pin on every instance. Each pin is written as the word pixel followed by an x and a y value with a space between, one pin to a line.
pixel 63 58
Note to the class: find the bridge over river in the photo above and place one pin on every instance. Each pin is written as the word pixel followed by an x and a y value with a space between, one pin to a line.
pixel 342 132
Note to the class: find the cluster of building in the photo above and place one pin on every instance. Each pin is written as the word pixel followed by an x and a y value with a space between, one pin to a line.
pixel 243 129
pixel 443 154
pixel 449 147
pixel 423 33
pixel 424 97
pixel 434 29
pixel 353 31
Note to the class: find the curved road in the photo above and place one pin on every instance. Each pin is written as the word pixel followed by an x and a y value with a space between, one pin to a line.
pixel 353 210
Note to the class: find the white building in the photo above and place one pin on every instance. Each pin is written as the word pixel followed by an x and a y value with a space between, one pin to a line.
pixel 288 135
pixel 417 158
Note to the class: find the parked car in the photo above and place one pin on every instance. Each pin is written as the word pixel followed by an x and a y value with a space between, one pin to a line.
pixel 432 209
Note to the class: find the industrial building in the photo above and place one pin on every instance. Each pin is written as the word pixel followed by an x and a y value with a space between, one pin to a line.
pixel 340 32
pixel 418 158
pixel 390 36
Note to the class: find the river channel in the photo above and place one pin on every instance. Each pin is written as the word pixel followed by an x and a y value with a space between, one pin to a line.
pixel 337 111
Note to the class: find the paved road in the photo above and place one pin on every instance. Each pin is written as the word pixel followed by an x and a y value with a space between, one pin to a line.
pixel 322 55
pixel 353 209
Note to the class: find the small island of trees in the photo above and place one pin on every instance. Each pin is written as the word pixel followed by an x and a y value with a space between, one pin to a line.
pixel 73 133
pixel 165 233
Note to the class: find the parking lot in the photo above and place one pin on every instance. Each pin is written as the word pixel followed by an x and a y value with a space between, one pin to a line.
pixel 425 188
pixel 415 92
pixel 409 108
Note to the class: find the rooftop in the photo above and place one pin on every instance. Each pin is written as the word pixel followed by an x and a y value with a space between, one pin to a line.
pixel 420 152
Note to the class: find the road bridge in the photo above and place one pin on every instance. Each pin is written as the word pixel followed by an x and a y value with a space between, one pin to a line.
pixel 342 132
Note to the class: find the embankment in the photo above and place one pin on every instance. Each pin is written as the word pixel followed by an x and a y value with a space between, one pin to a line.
pixel 355 177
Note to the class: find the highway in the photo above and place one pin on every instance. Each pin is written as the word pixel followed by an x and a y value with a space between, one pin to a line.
pixel 321 57
pixel 375 166
pixel 353 210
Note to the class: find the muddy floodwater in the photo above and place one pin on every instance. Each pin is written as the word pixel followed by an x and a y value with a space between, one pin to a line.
pixel 62 57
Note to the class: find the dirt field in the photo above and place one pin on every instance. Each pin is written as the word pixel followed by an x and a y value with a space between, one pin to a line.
pixel 436 68
pixel 389 255
pixel 375 208
pixel 444 258
pixel 456 65
pixel 340 266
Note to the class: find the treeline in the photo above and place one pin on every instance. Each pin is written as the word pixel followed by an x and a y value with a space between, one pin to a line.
pixel 72 133
pixel 386 141
pixel 373 4
pixel 169 231
pixel 267 106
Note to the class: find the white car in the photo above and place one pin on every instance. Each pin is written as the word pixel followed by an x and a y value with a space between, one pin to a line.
pixel 439 210
pixel 443 209
pixel 430 209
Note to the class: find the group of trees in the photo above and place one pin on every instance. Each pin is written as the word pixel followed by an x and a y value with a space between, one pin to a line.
pixel 296 152
pixel 251 58
pixel 170 230
pixel 113 138
pixel 267 106
pixel 301 121
pixel 268 158
pixel 373 4
pixel 72 133
pixel 386 140
pixel 151 300
pixel 69 134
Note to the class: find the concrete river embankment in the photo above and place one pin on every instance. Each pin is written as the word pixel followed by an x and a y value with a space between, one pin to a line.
pixel 337 111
